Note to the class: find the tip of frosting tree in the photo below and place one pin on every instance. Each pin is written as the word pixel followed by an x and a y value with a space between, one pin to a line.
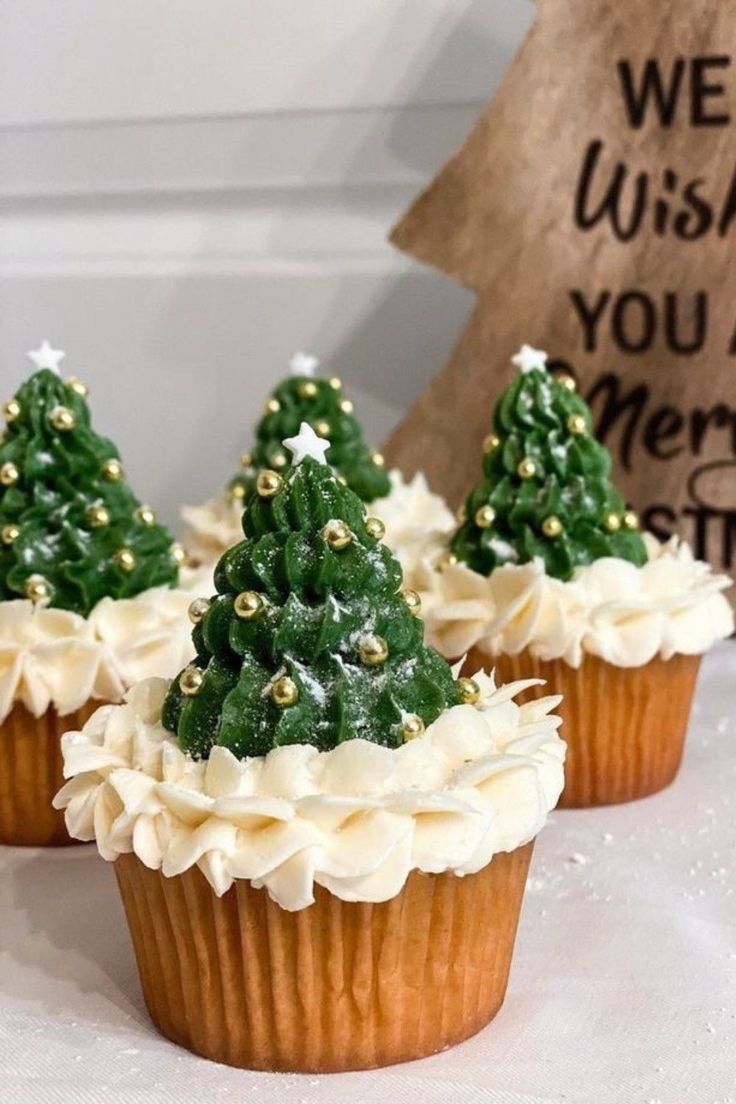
pixel 306 443
pixel 303 364
pixel 529 359
pixel 46 357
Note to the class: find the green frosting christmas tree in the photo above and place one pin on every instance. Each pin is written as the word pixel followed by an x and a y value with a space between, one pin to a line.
pixel 303 397
pixel 71 530
pixel 546 490
pixel 309 639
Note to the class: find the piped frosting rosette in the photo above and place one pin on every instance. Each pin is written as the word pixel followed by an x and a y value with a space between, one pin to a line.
pixel 418 523
pixel 623 613
pixel 356 819
pixel 52 658
pixel 213 527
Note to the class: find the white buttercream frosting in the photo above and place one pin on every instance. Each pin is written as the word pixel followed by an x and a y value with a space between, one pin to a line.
pixel 54 658
pixel 356 820
pixel 417 522
pixel 627 615
pixel 213 527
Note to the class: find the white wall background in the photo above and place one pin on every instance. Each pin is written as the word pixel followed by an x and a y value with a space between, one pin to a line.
pixel 191 191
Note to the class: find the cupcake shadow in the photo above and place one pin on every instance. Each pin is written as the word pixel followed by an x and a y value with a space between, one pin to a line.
pixel 66 942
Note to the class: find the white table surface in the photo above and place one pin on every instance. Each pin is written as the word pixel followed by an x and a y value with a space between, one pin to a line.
pixel 623 986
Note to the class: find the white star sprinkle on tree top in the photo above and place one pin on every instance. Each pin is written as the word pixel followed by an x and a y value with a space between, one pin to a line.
pixel 46 357
pixel 528 359
pixel 306 443
pixel 303 364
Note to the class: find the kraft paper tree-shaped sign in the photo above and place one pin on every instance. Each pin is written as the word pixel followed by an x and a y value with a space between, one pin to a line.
pixel 593 208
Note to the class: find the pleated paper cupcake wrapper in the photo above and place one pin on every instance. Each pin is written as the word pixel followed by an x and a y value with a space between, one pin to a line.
pixel 624 726
pixel 335 986
pixel 31 773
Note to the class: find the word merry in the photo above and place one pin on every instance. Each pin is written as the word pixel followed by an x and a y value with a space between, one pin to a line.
pixel 662 431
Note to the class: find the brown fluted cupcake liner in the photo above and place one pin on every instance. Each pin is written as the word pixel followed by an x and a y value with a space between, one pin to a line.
pixel 335 986
pixel 624 726
pixel 31 773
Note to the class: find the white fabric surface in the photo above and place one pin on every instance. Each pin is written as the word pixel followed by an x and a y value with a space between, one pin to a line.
pixel 623 987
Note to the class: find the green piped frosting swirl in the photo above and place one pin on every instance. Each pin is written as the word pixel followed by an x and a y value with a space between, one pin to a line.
pixel 318 604
pixel 59 481
pixel 570 484
pixel 348 455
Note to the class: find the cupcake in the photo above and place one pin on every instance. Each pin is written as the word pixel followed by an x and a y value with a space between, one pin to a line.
pixel 416 517
pixel 549 574
pixel 87 605
pixel 316 822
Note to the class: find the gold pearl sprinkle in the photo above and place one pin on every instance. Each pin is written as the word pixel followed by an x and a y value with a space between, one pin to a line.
pixel 37 589
pixel 469 691
pixel 197 609
pixel 307 389
pixel 335 383
pixel 373 650
pixel 278 460
pixel 527 469
pixel 236 493
pixel 268 483
pixel 284 692
pixel 9 533
pixel 322 429
pixel 491 442
pixel 412 727
pixel 98 517
pixel 346 406
pixel 630 520
pixel 75 384
pixel 461 514
pixel 124 558
pixel 248 605
pixel 375 528
pixel 378 459
pixel 178 553
pixel 272 406
pixel 11 410
pixel 62 418
pixel 576 424
pixel 448 560
pixel 337 535
pixel 9 474
pixel 112 471
pixel 246 459
pixel 566 381
pixel 190 681
pixel 552 526
pixel 413 602
pixel 485 517
pixel 145 515
pixel 612 522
